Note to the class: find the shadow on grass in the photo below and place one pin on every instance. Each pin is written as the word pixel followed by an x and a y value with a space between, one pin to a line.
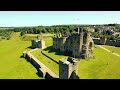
pixel 50 49
pixel 29 47
pixel 21 56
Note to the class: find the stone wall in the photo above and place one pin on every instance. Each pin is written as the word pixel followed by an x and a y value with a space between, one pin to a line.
pixel 107 42
pixel 96 41
pixel 45 73
pixel 50 58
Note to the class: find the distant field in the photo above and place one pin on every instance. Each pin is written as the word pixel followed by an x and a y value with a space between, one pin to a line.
pixel 5 28
pixel 28 37
pixel 112 48
pixel 37 34
pixel 11 65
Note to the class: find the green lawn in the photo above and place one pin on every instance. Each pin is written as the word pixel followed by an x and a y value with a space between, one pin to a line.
pixel 112 48
pixel 105 65
pixel 49 63
pixel 11 65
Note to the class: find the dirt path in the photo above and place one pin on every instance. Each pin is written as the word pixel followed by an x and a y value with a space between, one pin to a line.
pixel 109 50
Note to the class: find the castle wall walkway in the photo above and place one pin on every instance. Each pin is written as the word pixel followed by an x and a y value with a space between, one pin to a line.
pixel 39 65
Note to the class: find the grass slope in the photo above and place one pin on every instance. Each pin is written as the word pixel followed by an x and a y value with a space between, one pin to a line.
pixel 11 65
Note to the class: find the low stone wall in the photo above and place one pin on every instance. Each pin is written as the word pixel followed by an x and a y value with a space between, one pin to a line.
pixel 96 41
pixel 50 58
pixel 45 73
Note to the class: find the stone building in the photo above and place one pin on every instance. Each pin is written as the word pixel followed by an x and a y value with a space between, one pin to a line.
pixel 105 41
pixel 68 68
pixel 78 44
pixel 38 42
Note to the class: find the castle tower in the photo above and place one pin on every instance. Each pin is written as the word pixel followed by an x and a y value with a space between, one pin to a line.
pixel 40 37
pixel 68 68
pixel 85 46
pixel 81 40
pixel 41 42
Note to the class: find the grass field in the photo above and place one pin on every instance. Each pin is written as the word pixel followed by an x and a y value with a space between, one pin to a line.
pixel 11 65
pixel 105 65
pixel 49 63
pixel 112 48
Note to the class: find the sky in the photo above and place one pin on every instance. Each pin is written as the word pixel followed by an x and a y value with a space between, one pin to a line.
pixel 47 18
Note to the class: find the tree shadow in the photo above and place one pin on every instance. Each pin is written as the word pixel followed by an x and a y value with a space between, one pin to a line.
pixel 50 49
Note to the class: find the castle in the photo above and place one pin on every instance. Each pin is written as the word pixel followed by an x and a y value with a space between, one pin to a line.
pixel 78 44
pixel 38 42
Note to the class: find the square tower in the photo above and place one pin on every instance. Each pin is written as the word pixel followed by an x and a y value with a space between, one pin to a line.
pixel 68 68
pixel 41 44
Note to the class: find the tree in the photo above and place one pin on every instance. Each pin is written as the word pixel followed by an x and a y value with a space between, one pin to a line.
pixel 22 33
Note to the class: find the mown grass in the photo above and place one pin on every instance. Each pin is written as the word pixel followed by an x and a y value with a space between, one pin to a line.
pixel 12 66
pixel 104 65
pixel 113 48
pixel 49 63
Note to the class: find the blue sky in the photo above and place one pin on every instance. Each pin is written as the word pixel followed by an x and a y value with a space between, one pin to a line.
pixel 37 18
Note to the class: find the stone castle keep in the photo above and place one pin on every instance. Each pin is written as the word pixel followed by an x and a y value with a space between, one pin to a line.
pixel 38 42
pixel 78 44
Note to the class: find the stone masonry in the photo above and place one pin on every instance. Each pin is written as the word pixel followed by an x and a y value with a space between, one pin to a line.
pixel 38 42
pixel 78 44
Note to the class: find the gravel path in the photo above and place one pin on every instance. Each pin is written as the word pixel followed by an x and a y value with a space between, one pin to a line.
pixel 109 50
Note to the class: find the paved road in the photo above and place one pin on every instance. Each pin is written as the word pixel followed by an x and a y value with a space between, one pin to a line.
pixel 109 50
